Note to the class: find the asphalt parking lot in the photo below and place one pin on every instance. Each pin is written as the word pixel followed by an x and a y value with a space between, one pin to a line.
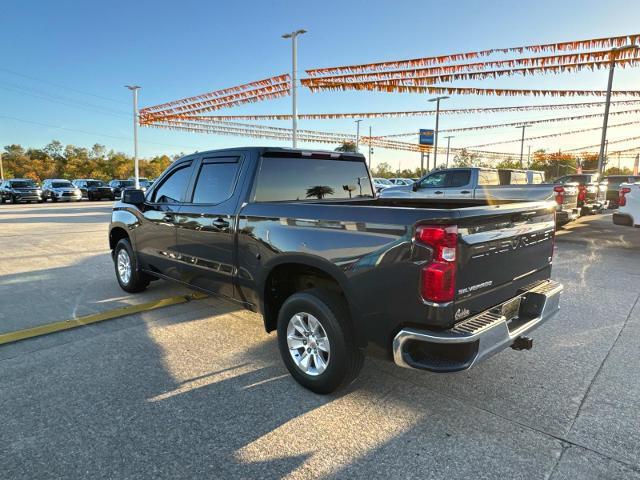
pixel 198 390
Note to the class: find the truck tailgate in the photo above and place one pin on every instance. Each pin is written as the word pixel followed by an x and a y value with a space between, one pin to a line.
pixel 501 253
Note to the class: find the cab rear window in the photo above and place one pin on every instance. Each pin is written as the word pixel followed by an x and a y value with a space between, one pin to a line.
pixel 296 179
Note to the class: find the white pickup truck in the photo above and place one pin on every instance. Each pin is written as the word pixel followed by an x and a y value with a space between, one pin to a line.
pixel 628 205
pixel 486 184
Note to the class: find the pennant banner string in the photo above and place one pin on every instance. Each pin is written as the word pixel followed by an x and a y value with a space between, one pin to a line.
pixel 284 78
pixel 553 60
pixel 606 42
pixel 419 113
pixel 552 135
pixel 436 90
pixel 516 124
pixel 321 83
pixel 622 140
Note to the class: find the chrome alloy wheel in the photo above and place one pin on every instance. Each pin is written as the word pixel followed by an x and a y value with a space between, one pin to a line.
pixel 308 344
pixel 124 266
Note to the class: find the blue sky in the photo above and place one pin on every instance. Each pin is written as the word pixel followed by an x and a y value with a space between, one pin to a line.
pixel 64 64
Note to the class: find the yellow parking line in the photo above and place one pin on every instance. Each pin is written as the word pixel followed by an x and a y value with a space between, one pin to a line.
pixel 95 318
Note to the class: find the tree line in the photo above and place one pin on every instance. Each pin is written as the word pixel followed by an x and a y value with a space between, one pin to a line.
pixel 56 160
pixel 554 164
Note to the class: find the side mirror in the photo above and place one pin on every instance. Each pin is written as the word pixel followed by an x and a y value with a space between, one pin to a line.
pixel 414 186
pixel 133 196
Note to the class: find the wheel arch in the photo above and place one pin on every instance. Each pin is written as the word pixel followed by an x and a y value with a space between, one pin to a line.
pixel 294 273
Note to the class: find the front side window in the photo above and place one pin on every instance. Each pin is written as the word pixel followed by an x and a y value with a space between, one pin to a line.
pixel 290 179
pixel 173 186
pixel 435 180
pixel 216 180
pixel 537 178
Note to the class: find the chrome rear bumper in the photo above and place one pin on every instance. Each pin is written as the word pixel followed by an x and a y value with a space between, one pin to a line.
pixel 478 337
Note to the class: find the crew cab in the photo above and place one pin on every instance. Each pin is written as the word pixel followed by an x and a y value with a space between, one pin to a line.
pixel 300 237
pixel 489 184
pixel 628 205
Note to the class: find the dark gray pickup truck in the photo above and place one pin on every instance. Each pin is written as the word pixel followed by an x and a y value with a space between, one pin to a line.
pixel 298 236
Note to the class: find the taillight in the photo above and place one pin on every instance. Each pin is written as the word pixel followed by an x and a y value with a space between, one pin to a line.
pixel 559 191
pixel 622 200
pixel 438 280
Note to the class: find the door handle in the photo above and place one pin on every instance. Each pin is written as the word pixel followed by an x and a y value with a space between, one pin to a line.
pixel 220 223
pixel 168 217
pixel 465 191
pixel 438 192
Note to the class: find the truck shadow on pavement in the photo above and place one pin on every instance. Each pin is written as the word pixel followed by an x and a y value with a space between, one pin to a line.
pixel 199 391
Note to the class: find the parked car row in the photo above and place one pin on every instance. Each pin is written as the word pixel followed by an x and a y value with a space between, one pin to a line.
pixel 18 190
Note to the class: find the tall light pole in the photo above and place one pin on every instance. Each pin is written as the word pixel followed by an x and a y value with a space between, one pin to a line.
pixel 294 83
pixel 449 137
pixel 612 57
pixel 523 127
pixel 136 171
pixel 358 135
pixel 1 168
pixel 435 134
pixel 370 148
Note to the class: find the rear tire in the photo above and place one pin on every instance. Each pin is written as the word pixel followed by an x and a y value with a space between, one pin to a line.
pixel 128 273
pixel 341 360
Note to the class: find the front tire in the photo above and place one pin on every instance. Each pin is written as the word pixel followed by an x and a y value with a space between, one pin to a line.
pixel 316 342
pixel 128 273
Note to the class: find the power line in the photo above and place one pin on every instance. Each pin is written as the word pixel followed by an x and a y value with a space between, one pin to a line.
pixel 62 86
pixel 89 133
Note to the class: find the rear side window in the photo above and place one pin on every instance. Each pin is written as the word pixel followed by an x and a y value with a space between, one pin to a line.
pixel 458 178
pixel 291 179
pixel 518 178
pixel 536 178
pixel 488 177
pixel 216 180
pixel 173 186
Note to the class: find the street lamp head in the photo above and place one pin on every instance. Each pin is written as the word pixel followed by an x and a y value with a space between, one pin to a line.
pixel 435 99
pixel 133 87
pixel 294 34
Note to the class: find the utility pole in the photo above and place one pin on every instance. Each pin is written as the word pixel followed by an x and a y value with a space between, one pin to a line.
pixel 529 157
pixel 358 135
pixel 449 137
pixel 421 163
pixel 1 168
pixel 294 83
pixel 370 148
pixel 612 58
pixel 523 127
pixel 435 134
pixel 136 171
